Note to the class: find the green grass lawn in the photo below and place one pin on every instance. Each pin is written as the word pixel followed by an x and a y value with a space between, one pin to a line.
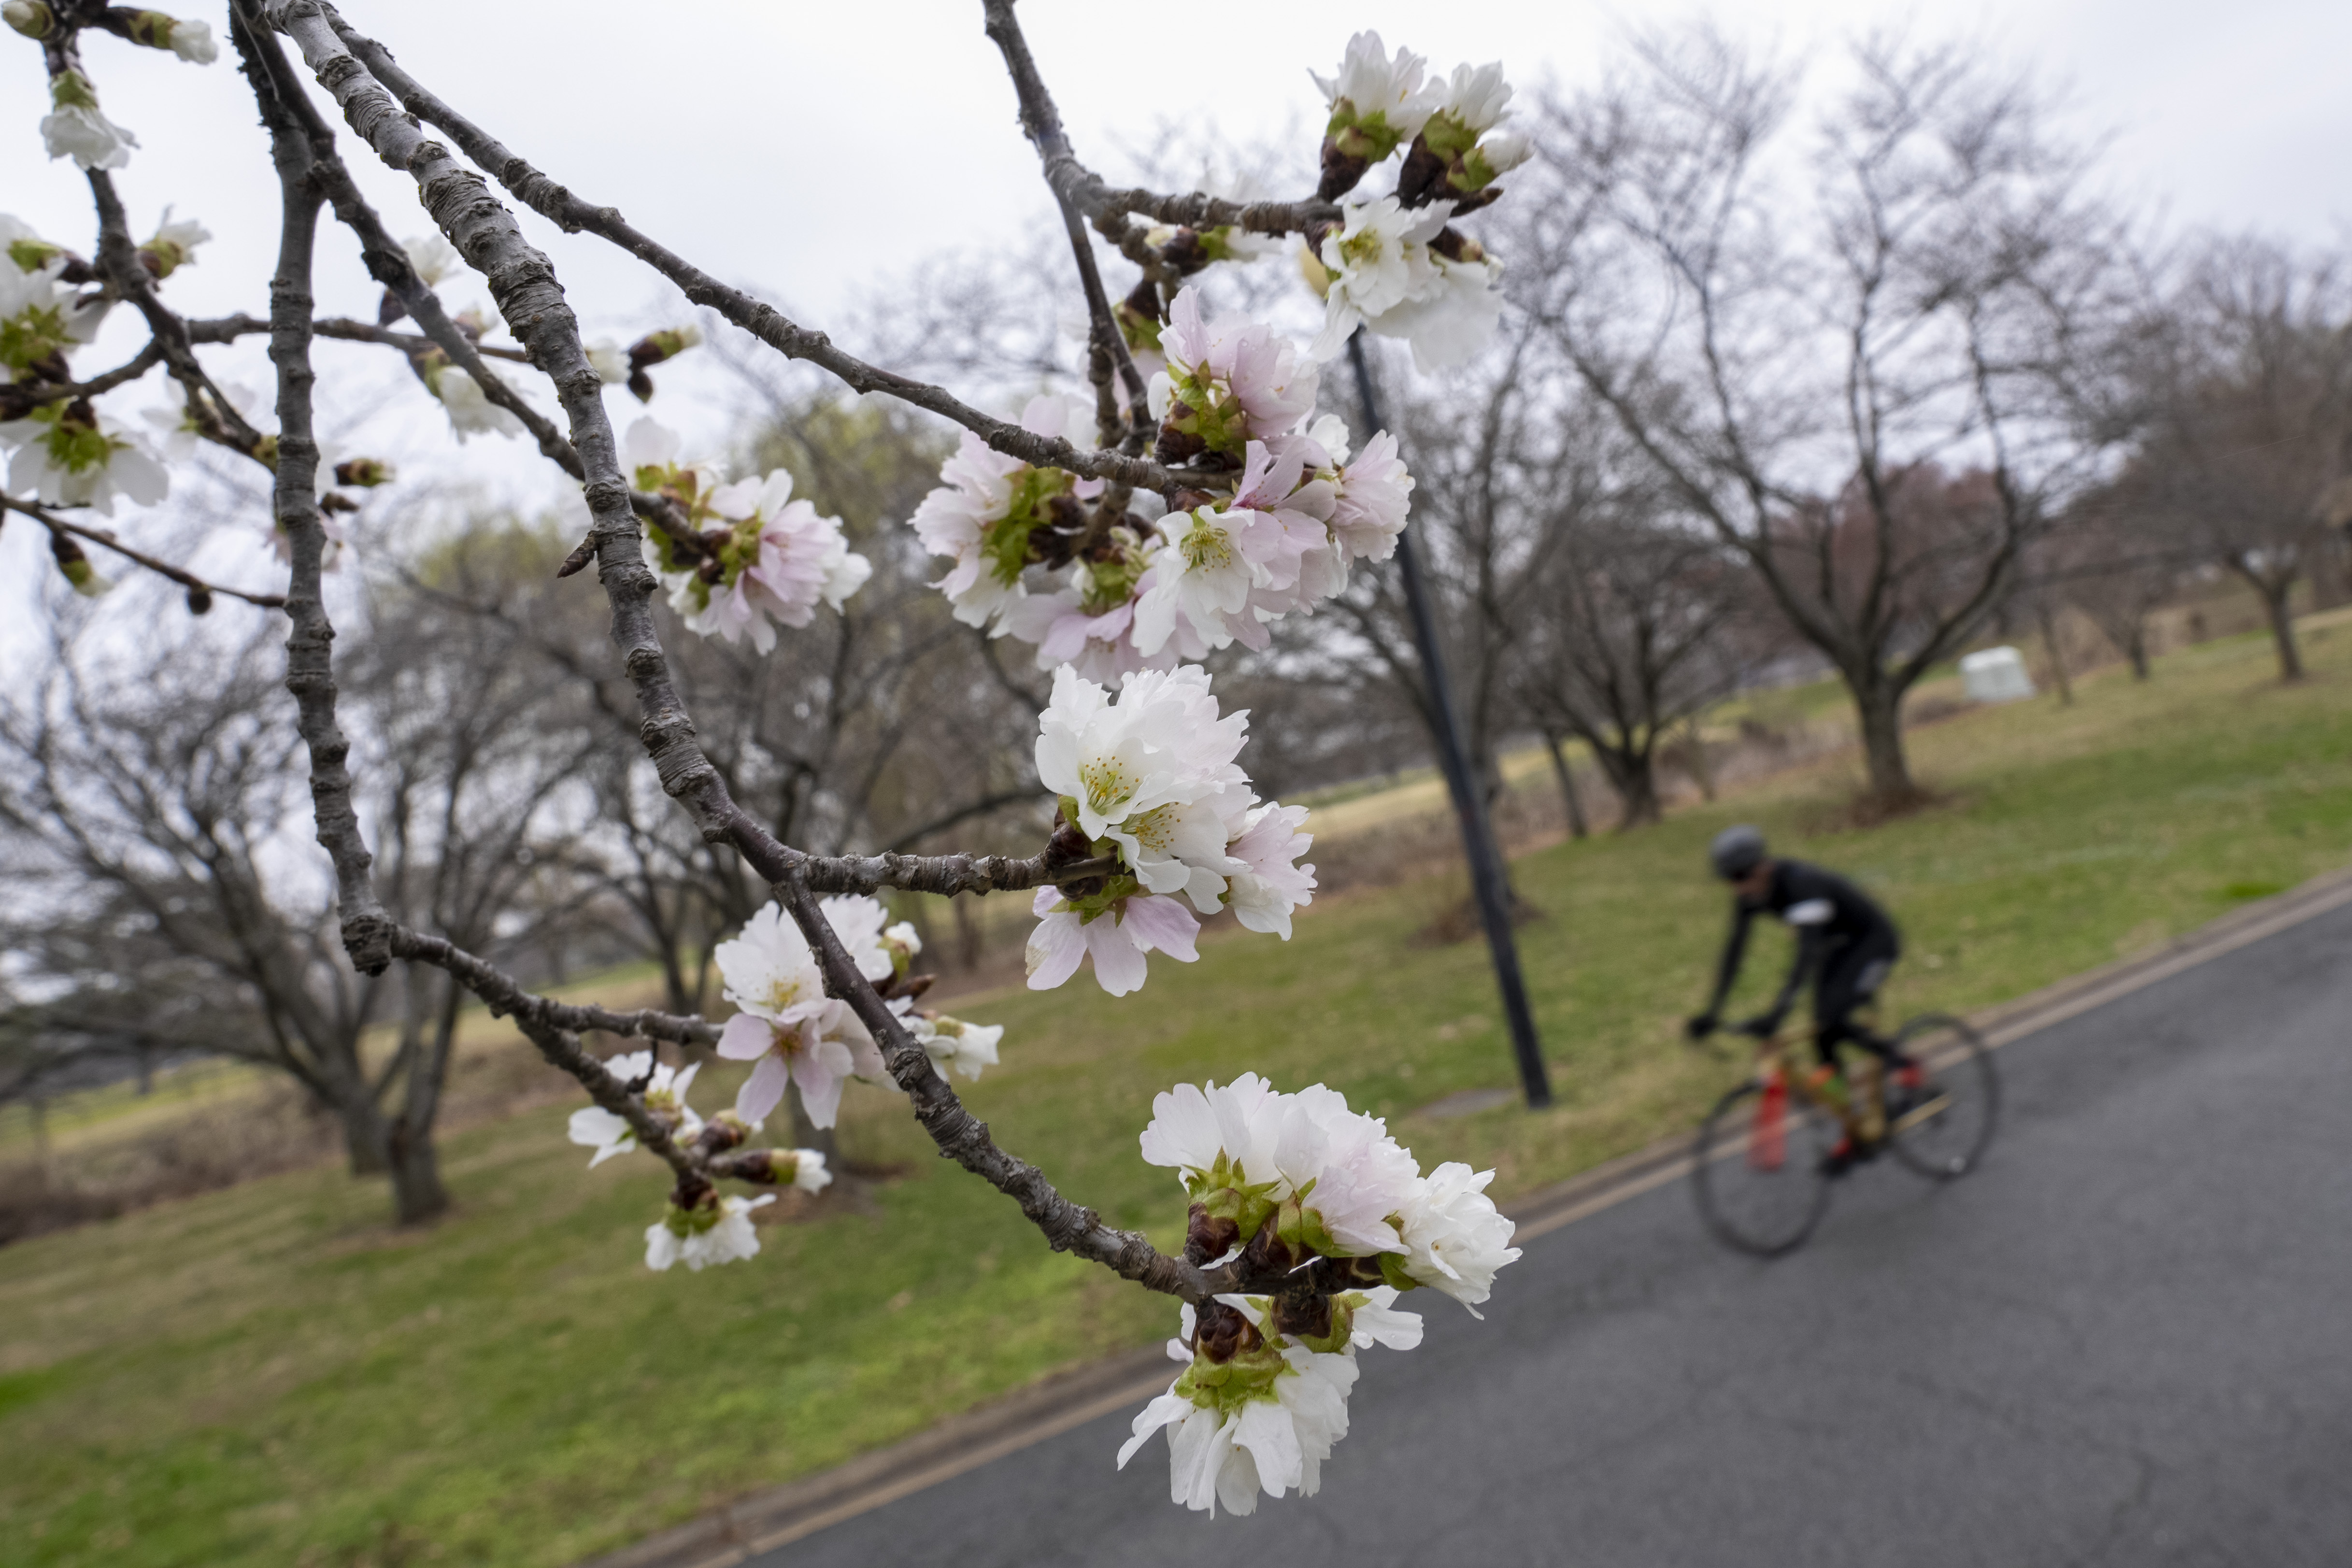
pixel 270 1375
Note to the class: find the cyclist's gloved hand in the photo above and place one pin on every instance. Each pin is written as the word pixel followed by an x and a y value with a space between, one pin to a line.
pixel 1700 1028
pixel 1763 1027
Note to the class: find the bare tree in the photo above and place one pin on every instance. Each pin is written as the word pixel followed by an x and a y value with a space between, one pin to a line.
pixel 1644 622
pixel 160 901
pixel 2249 417
pixel 1495 471
pixel 1802 344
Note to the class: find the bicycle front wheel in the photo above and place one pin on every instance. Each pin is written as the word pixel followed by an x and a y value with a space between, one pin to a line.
pixel 1942 1129
pixel 1759 1170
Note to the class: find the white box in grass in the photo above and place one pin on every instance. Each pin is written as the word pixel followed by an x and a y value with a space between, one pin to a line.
pixel 1996 675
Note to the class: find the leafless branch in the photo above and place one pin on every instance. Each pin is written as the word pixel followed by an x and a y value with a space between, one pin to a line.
pixel 186 579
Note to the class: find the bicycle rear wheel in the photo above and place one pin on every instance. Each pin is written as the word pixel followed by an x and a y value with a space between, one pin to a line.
pixel 1758 1170
pixel 1945 1129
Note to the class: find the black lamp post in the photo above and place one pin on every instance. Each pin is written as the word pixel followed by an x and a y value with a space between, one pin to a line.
pixel 1487 873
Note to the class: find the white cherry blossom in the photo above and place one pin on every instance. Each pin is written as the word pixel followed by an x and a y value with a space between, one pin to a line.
pixel 75 129
pixel 717 1231
pixel 1453 1238
pixel 610 1134
pixel 788 1026
pixel 63 458
pixel 1265 883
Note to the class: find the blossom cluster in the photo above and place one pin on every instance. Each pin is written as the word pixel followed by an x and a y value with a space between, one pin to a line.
pixel 1147 776
pixel 764 558
pixel 1394 265
pixel 1284 514
pixel 65 451
pixel 711 1229
pixel 1287 1184
pixel 796 1034
pixel 74 128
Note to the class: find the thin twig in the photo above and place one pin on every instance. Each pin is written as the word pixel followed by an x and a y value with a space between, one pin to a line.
pixel 183 577
pixel 762 320
pixel 118 259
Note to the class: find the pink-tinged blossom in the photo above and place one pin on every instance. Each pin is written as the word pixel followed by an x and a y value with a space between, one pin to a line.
pixel 955 520
pixel 1236 380
pixel 1263 882
pixel 1374 498
pixel 982 513
pixel 788 1026
pixel 781 560
pixel 1097 647
pixel 1119 935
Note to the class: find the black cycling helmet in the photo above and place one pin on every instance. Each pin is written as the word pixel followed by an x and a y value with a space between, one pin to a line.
pixel 1735 851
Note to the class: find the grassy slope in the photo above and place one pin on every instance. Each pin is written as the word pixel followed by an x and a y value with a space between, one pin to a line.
pixel 268 1375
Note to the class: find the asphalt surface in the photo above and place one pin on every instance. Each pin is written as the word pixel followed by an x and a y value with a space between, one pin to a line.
pixel 2124 1340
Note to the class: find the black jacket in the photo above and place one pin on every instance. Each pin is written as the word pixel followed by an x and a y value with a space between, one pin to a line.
pixel 1830 915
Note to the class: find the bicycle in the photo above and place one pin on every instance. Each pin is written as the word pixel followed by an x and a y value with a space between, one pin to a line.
pixel 1761 1163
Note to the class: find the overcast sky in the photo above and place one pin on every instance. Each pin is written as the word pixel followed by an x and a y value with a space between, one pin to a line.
pixel 806 148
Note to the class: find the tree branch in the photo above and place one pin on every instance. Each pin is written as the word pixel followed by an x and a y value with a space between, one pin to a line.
pixel 310 667
pixel 762 320
pixel 188 580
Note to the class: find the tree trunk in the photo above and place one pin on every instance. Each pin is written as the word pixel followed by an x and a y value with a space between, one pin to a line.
pixel 1702 767
pixel 366 1141
pixel 2275 602
pixel 1878 705
pixel 2049 628
pixel 417 1194
pixel 1577 826
pixel 2136 650
pixel 1634 774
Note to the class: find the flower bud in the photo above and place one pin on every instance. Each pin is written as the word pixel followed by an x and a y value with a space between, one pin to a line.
pixel 174 247
pixel 200 599
pixel 335 500
pixel 29 17
pixel 191 41
pixel 75 565
pixel 365 473
pixel 652 350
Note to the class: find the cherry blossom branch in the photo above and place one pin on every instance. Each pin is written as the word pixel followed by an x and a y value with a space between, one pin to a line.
pixel 506 997
pixel 118 259
pixel 1081 188
pixel 388 263
pixel 195 585
pixel 310 667
pixel 963 1138
pixel 523 284
pixel 18 398
pixel 762 320
pixel 229 329
pixel 948 875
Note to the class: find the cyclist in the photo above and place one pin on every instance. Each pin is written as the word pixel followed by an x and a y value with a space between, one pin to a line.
pixel 1845 944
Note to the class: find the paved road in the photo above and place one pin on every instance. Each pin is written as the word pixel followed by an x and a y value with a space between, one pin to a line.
pixel 2126 1341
